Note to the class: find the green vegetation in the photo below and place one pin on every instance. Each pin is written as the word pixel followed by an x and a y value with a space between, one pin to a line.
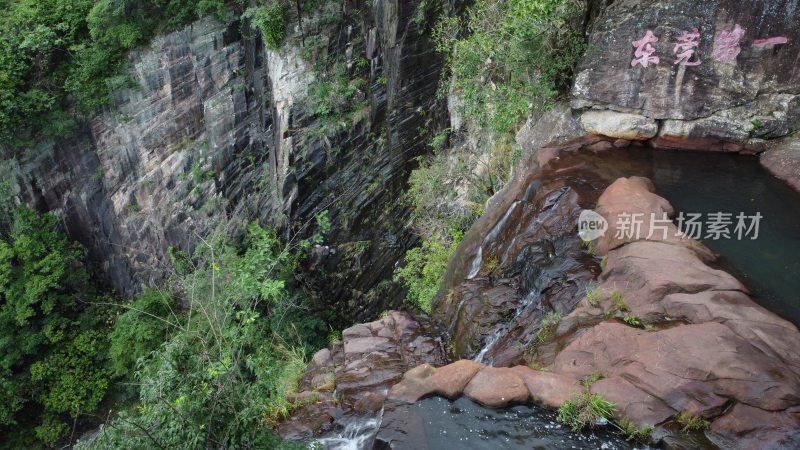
pixel 631 432
pixel 139 330
pixel 618 301
pixel 271 20
pixel 435 202
pixel 217 372
pixel 425 268
pixel 585 410
pixel 506 57
pixel 545 333
pixel 53 49
pixel 206 362
pixel 632 320
pixel 338 98
pixel 489 265
pixel 52 348
pixel 690 422
pixel 503 60
pixel 593 296
pixel 590 247
pixel 537 366
pixel 592 379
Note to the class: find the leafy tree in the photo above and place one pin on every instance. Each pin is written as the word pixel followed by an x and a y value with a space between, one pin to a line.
pixel 51 356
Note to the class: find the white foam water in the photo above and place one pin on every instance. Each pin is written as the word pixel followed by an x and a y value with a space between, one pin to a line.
pixel 358 433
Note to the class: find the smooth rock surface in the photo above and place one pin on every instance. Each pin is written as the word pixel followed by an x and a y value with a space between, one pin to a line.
pixel 782 159
pixel 631 127
pixel 497 387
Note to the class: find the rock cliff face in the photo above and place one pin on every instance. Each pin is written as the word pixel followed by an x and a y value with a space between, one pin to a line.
pixel 715 71
pixel 219 128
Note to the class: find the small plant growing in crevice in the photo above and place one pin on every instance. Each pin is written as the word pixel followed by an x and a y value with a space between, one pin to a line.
pixel 590 247
pixel 690 422
pixel 489 266
pixel 632 320
pixel 585 410
pixel 546 332
pixel 592 379
pixel 538 367
pixel 603 263
pixel 593 296
pixel 334 337
pixel 631 432
pixel 618 301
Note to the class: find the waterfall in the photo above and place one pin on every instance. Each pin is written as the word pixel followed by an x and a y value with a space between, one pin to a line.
pixel 358 433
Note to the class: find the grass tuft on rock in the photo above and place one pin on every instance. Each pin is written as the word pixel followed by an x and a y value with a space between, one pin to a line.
pixel 631 432
pixel 690 422
pixel 585 411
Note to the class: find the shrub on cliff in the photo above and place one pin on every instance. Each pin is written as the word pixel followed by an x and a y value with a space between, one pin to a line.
pixel 271 20
pixel 424 269
pixel 509 56
pixel 221 378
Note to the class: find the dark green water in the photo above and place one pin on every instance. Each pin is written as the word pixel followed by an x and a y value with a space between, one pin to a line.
pixel 713 182
pixel 463 424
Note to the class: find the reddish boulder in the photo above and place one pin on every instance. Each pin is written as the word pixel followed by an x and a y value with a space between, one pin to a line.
pixel 753 428
pixel 644 272
pixel 550 389
pixel 497 387
pixel 690 367
pixel 633 199
pixel 448 381
pixel 636 405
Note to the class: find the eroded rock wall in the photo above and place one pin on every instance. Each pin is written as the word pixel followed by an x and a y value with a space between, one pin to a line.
pixel 218 127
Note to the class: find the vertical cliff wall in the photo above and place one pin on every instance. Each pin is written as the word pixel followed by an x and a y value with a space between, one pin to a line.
pixel 219 127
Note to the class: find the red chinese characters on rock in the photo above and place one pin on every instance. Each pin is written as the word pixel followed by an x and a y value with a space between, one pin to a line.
pixel 726 44
pixel 685 48
pixel 726 47
pixel 770 41
pixel 644 51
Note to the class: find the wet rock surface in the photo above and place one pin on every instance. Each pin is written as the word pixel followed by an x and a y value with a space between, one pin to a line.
pixel 370 359
pixel 665 330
